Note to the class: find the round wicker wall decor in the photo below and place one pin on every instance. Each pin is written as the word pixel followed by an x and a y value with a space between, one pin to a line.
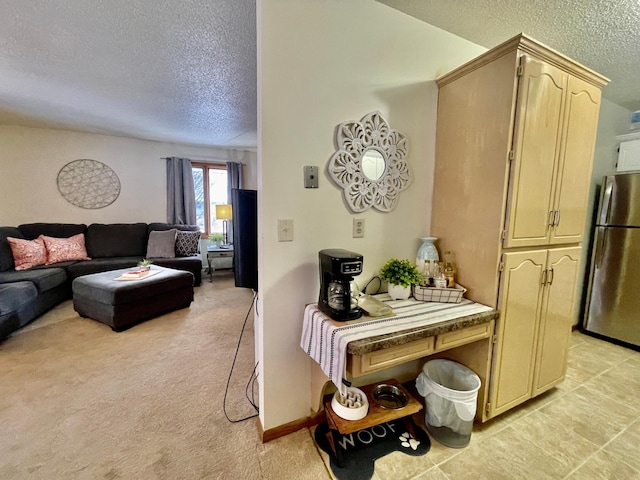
pixel 88 183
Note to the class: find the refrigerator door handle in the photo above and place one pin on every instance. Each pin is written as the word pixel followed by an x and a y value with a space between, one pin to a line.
pixel 605 208
pixel 600 246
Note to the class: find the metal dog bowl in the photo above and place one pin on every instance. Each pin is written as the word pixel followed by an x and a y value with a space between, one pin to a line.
pixel 389 396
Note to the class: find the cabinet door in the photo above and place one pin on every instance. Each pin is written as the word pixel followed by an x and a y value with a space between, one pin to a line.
pixel 556 317
pixel 515 350
pixel 628 156
pixel 536 146
pixel 575 162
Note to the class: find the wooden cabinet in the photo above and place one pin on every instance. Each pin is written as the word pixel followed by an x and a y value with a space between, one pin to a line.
pixel 554 137
pixel 537 297
pixel 515 136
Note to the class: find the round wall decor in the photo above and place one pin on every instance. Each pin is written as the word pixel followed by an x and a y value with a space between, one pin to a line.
pixel 369 164
pixel 88 183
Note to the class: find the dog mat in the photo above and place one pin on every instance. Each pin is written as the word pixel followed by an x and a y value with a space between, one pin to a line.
pixel 359 450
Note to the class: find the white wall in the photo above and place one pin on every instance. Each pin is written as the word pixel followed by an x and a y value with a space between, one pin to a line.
pixel 613 120
pixel 32 157
pixel 321 63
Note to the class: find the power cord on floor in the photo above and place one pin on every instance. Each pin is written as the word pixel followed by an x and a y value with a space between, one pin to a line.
pixel 252 378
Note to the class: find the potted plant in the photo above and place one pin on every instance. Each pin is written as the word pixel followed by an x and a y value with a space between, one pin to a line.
pixel 216 238
pixel 144 265
pixel 400 275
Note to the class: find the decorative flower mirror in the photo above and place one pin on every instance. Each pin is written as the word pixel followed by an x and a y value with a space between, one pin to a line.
pixel 370 164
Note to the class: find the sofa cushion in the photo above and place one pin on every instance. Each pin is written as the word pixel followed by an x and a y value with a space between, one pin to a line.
pixel 6 257
pixel 14 298
pixel 27 253
pixel 168 226
pixel 116 240
pixel 14 295
pixel 162 244
pixel 187 243
pixel 44 279
pixel 58 230
pixel 65 249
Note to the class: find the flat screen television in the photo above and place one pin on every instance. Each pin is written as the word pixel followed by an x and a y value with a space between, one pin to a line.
pixel 244 204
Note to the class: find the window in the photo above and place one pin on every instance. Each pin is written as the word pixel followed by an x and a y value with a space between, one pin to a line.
pixel 210 183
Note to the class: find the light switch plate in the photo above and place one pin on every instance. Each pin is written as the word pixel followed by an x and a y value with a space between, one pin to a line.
pixel 285 230
pixel 310 176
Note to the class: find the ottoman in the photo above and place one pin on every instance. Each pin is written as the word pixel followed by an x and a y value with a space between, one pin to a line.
pixel 123 303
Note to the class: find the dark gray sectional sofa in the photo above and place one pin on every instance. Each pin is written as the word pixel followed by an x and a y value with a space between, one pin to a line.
pixel 27 294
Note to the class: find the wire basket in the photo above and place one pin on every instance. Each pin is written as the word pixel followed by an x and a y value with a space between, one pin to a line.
pixel 442 295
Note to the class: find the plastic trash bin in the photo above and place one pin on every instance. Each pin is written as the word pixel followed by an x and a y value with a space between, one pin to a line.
pixel 450 391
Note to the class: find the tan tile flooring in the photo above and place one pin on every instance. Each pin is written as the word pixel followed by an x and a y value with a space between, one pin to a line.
pixel 586 428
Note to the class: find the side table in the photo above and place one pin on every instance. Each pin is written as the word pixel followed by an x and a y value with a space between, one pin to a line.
pixel 214 253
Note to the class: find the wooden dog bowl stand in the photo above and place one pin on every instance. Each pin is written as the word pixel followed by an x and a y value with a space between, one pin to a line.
pixel 376 416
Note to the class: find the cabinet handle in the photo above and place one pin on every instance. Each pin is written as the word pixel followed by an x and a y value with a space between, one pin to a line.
pixel 557 218
pixel 551 280
pixel 544 277
pixel 552 216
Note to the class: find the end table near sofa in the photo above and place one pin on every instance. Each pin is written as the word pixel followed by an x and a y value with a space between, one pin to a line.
pixel 213 253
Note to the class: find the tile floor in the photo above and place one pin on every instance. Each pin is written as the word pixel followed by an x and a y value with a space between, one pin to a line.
pixel 586 428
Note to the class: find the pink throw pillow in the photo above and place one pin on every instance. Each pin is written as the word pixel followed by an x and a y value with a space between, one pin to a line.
pixel 27 253
pixel 65 249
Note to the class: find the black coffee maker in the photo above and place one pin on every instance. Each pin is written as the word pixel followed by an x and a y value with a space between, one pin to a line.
pixel 337 269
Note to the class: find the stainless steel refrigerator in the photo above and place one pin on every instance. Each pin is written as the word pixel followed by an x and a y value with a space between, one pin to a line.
pixel 613 298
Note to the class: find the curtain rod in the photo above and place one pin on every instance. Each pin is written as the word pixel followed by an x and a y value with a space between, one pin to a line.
pixel 215 162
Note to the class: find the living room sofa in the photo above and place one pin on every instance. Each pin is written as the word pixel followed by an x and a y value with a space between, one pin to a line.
pixel 27 294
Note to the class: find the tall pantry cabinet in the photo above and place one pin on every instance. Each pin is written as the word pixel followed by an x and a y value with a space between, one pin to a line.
pixel 515 136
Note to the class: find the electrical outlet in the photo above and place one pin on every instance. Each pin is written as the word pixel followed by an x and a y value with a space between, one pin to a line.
pixel 285 230
pixel 358 227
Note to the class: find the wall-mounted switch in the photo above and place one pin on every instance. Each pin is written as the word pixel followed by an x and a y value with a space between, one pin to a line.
pixel 358 227
pixel 310 177
pixel 285 230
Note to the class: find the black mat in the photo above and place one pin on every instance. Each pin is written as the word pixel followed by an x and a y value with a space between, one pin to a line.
pixel 358 451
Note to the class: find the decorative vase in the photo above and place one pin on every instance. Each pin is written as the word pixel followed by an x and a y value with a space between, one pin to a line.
pixel 398 292
pixel 426 253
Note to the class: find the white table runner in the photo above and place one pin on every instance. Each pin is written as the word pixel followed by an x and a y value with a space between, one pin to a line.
pixel 326 340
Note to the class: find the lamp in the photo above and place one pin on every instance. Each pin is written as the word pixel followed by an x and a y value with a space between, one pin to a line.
pixel 224 213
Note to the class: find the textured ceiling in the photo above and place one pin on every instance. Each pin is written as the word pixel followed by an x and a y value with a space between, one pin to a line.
pixel 603 35
pixel 172 70
pixel 185 70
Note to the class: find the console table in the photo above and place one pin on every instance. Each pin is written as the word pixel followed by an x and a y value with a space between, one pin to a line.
pixel 214 253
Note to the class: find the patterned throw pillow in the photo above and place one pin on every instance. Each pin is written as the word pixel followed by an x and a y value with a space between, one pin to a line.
pixel 162 244
pixel 65 249
pixel 27 253
pixel 187 243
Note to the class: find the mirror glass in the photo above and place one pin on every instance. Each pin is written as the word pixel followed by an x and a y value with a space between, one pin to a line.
pixel 373 164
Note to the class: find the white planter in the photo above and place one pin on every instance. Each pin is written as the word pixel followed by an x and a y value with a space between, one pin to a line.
pixel 398 292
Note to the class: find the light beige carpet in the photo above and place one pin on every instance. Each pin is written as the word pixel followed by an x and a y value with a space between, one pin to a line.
pixel 78 401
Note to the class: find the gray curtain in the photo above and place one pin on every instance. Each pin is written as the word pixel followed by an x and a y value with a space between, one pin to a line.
pixel 234 180
pixel 181 195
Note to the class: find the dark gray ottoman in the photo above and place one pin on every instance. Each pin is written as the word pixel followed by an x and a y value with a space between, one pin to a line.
pixel 121 304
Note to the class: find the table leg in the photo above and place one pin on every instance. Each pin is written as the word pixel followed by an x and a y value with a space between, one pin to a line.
pixel 210 269
pixel 337 452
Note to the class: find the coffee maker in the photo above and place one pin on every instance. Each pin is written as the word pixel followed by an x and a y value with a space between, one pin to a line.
pixel 337 269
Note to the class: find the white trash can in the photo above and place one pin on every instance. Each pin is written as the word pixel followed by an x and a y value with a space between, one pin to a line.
pixel 450 391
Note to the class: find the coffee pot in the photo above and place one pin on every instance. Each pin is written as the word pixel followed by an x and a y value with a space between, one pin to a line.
pixel 337 269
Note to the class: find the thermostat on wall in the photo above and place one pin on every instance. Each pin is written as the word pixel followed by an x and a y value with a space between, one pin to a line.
pixel 310 176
